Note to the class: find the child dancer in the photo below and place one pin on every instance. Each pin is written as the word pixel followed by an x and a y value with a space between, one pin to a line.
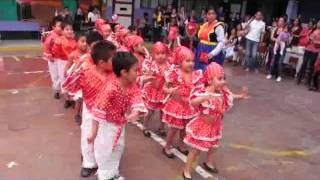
pixel 62 47
pixel 137 48
pixel 75 57
pixel 204 132
pixel 178 111
pixel 108 128
pixel 154 97
pixel 48 42
pixel 90 79
pixel 121 37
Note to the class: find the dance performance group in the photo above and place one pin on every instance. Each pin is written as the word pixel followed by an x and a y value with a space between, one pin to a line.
pixel 113 79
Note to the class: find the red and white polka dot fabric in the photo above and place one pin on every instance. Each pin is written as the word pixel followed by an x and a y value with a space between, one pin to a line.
pixel 201 133
pixel 177 111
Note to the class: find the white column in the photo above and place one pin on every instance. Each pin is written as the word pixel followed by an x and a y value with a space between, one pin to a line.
pixel 244 8
pixel 292 9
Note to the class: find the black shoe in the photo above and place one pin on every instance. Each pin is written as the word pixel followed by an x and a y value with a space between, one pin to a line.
pixel 161 132
pixel 78 119
pixel 67 104
pixel 185 152
pixel 86 172
pixel 57 95
pixel 169 155
pixel 146 133
pixel 184 176
pixel 211 169
pixel 313 89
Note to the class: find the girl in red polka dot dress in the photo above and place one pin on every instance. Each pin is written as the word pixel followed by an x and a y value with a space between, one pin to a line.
pixel 153 74
pixel 212 100
pixel 179 83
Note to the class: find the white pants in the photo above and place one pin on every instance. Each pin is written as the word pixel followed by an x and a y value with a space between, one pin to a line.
pixel 108 159
pixel 87 151
pixel 53 71
pixel 61 64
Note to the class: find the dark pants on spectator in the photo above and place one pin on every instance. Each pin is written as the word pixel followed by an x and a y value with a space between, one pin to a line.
pixel 157 32
pixel 251 54
pixel 309 60
pixel 276 65
pixel 270 58
pixel 316 79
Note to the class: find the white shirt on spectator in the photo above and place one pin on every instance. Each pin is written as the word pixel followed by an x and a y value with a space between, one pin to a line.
pixel 256 28
pixel 92 17
pixel 220 38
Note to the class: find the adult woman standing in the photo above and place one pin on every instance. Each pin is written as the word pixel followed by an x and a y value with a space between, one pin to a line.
pixel 295 31
pixel 275 60
pixel 310 55
pixel 158 20
pixel 211 38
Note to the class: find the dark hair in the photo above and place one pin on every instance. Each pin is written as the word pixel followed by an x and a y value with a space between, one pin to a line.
pixel 93 36
pixel 65 24
pixel 102 51
pixel 80 35
pixel 123 61
pixel 132 28
pixel 55 20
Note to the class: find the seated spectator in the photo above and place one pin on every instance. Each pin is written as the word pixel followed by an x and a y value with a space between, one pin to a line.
pixel 230 43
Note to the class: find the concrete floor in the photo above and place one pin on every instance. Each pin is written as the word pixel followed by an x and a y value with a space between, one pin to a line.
pixel 274 135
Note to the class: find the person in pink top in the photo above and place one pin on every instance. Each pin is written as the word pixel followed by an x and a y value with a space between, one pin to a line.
pixel 310 55
pixel 48 41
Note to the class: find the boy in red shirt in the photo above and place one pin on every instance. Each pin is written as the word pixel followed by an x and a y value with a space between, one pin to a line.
pixel 111 115
pixel 62 47
pixel 48 41
pixel 89 79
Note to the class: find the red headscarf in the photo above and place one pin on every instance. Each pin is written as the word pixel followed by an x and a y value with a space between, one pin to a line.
pixel 181 53
pixel 121 34
pixel 159 48
pixel 213 69
pixel 134 40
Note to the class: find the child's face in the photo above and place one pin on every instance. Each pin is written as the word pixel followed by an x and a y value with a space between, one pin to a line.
pixel 131 75
pixel 160 57
pixel 57 28
pixel 187 65
pixel 218 82
pixel 82 43
pixel 106 31
pixel 106 66
pixel 68 32
pixel 139 48
pixel 286 29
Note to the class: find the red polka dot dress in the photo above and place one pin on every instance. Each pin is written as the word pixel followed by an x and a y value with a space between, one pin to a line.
pixel 204 131
pixel 153 94
pixel 177 113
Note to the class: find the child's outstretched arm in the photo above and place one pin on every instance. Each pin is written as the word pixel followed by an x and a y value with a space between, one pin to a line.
pixel 243 95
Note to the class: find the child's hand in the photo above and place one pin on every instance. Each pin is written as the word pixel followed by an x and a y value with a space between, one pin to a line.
pixel 133 116
pixel 174 92
pixel 91 138
pixel 244 93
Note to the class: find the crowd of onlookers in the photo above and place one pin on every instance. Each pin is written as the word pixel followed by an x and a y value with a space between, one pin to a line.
pixel 284 46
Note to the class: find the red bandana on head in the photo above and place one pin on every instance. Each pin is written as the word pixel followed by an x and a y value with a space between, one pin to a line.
pixel 122 33
pixel 213 69
pixel 159 48
pixel 182 53
pixel 134 40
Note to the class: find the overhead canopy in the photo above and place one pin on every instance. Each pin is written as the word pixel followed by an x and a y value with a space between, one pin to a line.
pixel 54 3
